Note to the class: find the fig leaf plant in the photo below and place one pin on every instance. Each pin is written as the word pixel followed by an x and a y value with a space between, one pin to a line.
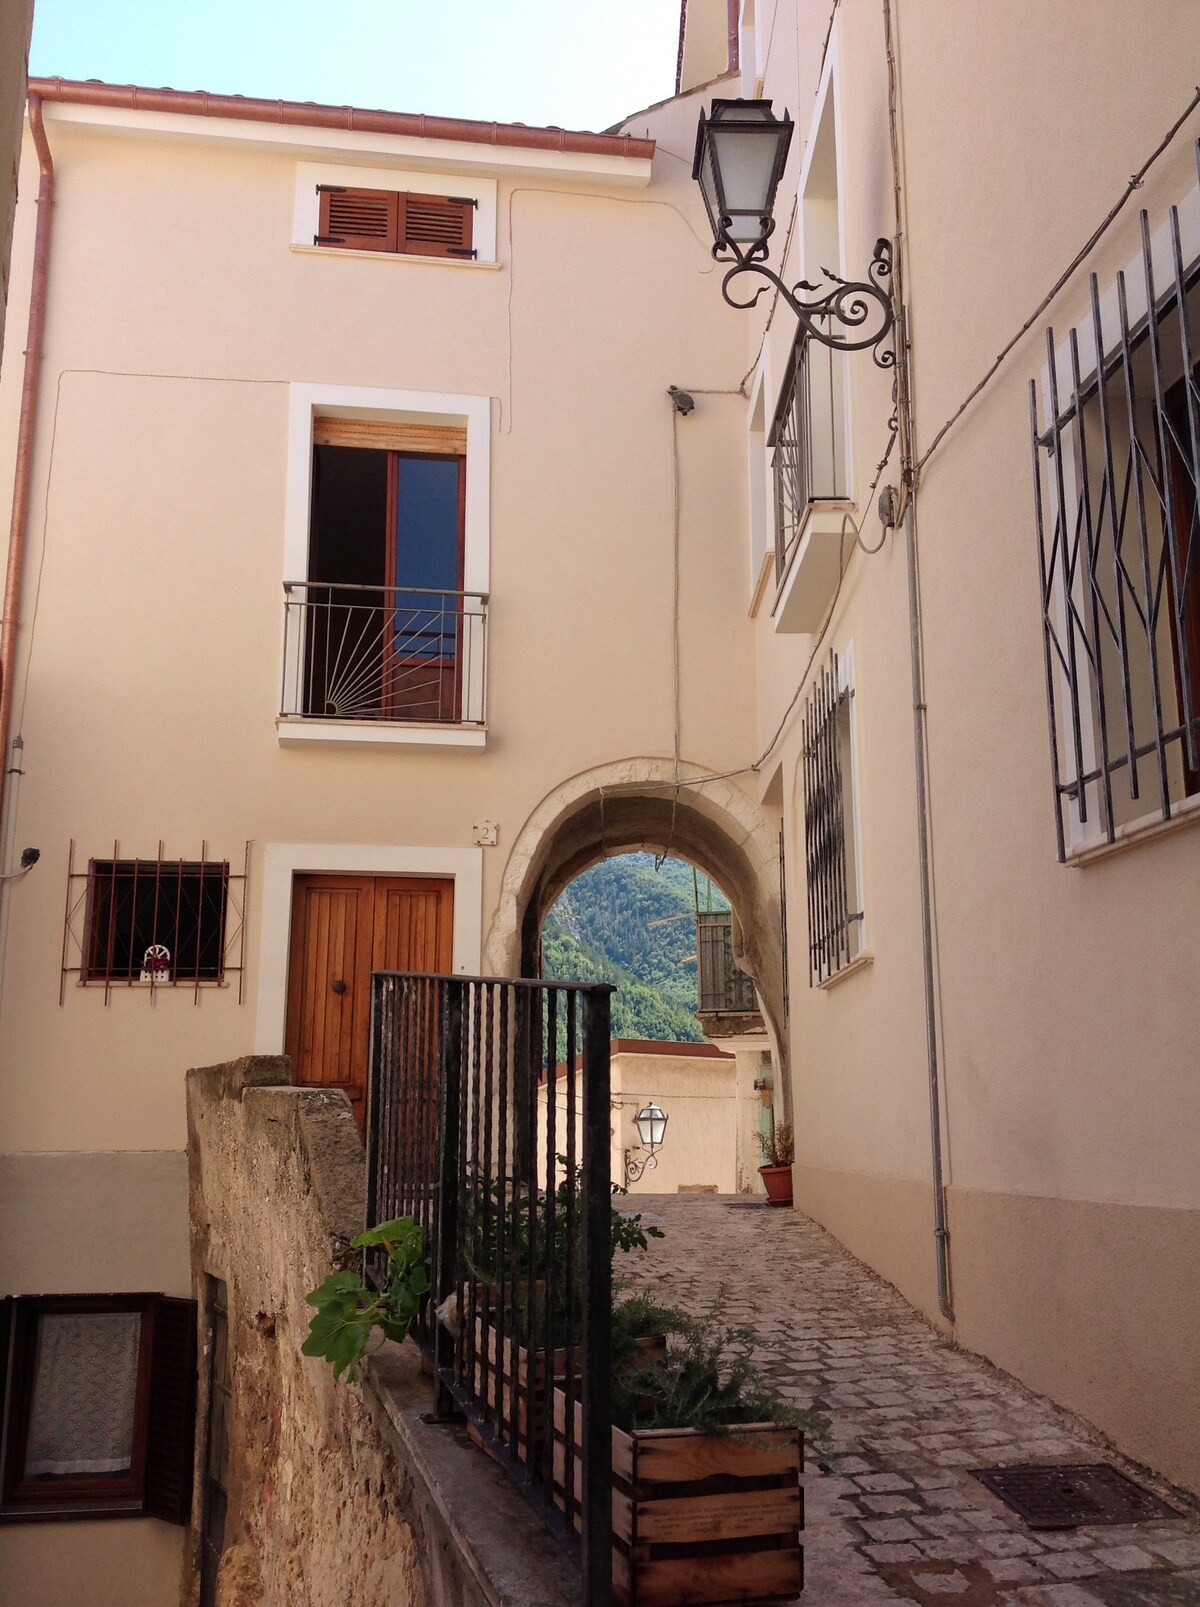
pixel 348 1310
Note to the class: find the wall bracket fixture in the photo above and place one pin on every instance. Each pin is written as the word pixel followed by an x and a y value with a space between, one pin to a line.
pixel 741 150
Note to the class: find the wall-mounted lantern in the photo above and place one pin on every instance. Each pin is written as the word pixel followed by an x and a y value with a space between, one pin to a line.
pixel 651 1123
pixel 741 149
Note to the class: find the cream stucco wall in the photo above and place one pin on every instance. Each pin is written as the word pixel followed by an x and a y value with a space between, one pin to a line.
pixel 180 323
pixel 1067 1011
pixel 711 1120
pixel 149 673
pixel 181 327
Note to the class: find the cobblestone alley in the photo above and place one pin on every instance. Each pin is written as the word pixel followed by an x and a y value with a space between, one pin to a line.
pixel 891 1512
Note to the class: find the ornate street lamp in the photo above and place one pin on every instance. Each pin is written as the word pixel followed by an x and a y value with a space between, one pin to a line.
pixel 741 148
pixel 651 1123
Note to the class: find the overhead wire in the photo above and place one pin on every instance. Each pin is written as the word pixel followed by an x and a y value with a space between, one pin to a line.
pixel 1135 183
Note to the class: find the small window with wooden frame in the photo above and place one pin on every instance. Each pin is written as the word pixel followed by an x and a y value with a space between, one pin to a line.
pixel 400 222
pixel 388 628
pixel 99 1406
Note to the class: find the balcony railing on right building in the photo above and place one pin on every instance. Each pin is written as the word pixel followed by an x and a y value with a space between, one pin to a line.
pixel 728 1004
pixel 384 653
pixel 808 441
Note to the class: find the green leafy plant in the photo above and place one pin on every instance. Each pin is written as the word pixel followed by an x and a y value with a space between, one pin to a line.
pixel 510 1244
pixel 706 1381
pixel 779 1145
pixel 348 1311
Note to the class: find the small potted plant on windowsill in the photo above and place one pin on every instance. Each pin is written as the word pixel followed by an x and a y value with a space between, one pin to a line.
pixel 778 1152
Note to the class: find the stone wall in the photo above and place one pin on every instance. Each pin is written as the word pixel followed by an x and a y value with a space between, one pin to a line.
pixel 276 1179
pixel 336 1494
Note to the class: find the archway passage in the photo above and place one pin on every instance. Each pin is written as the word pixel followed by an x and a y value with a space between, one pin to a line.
pixel 687 1037
pixel 636 804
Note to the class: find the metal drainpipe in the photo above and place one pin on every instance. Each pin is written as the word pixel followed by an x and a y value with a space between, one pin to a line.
pixel 904 418
pixel 941 1233
pixel 29 399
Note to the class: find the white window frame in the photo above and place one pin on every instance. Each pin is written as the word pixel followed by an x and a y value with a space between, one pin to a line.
pixel 306 402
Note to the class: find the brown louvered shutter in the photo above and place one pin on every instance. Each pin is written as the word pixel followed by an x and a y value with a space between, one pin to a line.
pixel 171 1429
pixel 435 226
pixel 358 220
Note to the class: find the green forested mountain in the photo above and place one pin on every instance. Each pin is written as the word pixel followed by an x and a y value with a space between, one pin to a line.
pixel 600 931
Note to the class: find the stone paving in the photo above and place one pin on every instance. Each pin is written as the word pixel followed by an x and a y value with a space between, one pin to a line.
pixel 891 1513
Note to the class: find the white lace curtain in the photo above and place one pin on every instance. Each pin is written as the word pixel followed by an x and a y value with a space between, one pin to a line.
pixel 84 1394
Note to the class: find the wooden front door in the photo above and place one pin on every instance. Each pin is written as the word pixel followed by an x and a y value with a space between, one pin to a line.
pixel 343 928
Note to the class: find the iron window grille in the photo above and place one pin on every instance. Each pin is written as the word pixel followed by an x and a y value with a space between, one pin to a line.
pixel 164 923
pixel 834 921
pixel 809 460
pixel 1116 477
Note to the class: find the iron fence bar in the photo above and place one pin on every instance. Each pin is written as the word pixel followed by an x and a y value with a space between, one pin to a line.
pixel 450 1158
pixel 597 1303
pixel 569 1500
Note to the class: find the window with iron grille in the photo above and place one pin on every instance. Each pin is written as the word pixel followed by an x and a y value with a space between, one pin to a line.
pixel 401 222
pixel 168 923
pixel 1117 466
pixel 149 920
pixel 831 849
pixel 806 439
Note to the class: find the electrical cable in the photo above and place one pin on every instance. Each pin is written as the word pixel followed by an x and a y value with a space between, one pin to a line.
pixel 1135 183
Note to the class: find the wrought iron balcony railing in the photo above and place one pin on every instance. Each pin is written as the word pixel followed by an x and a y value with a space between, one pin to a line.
pixel 807 441
pixel 384 653
pixel 723 988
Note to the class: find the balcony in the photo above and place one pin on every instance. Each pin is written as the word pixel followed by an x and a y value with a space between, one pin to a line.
pixel 370 663
pixel 728 1004
pixel 811 485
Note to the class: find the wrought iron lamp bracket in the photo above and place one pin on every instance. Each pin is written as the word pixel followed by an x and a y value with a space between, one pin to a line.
pixel 862 307
pixel 635 1169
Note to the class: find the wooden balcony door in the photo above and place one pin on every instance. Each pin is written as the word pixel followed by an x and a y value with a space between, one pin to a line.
pixel 343 928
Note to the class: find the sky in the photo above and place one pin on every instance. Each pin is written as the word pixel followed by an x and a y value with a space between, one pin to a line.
pixel 566 63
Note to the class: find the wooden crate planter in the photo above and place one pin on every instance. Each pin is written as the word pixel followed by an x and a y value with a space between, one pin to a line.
pixel 503 1389
pixel 699 1517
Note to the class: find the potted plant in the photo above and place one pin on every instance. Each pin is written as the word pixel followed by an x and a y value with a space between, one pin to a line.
pixel 707 1504
pixel 778 1152
pixel 527 1332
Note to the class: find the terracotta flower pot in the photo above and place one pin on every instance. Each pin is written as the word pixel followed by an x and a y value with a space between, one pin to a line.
pixel 778 1183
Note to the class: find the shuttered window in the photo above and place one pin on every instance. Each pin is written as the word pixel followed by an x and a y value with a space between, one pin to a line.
pixel 99 1412
pixel 401 222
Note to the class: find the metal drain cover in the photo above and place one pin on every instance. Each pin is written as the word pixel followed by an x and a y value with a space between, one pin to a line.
pixel 1065 1497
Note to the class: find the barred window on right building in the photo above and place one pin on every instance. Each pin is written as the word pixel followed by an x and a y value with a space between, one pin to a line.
pixel 1116 440
pixel 835 915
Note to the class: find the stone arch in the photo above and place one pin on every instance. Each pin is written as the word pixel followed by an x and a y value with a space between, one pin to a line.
pixel 635 804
